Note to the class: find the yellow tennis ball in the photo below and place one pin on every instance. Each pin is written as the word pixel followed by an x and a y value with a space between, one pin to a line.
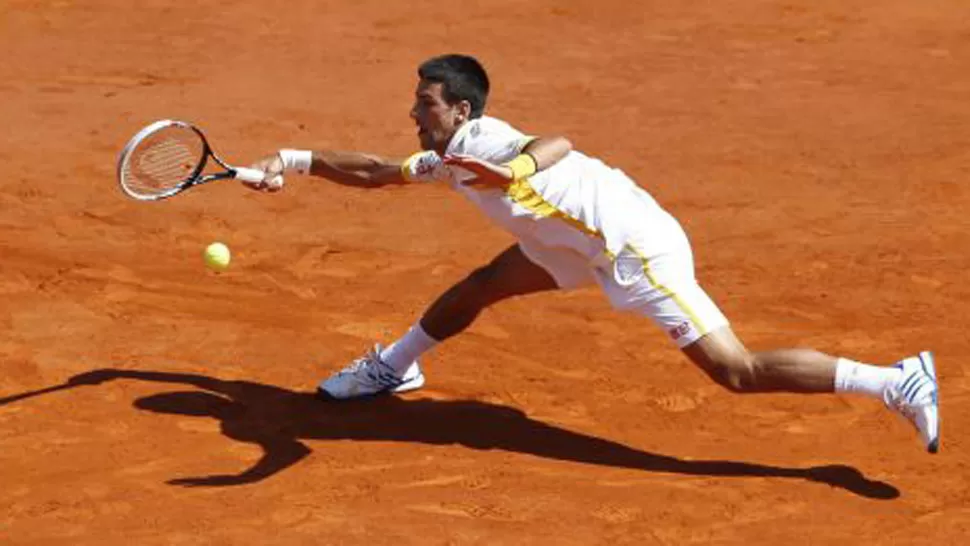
pixel 217 257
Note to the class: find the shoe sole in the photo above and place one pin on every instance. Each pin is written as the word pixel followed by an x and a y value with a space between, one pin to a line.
pixel 926 360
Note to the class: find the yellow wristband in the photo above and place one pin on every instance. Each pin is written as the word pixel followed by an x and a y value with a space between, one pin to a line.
pixel 523 166
pixel 421 167
pixel 406 168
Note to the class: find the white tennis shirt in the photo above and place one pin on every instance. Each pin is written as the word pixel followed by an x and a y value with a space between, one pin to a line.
pixel 579 203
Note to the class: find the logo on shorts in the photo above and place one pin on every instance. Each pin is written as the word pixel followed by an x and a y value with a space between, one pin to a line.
pixel 680 330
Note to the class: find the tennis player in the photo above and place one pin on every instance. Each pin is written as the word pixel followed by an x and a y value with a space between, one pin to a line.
pixel 577 222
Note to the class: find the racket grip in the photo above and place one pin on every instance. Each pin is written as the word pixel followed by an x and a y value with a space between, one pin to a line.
pixel 249 175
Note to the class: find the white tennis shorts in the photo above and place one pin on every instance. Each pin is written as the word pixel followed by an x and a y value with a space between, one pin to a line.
pixel 658 284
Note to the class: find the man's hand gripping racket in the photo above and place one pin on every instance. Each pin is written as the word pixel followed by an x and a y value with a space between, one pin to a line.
pixel 168 157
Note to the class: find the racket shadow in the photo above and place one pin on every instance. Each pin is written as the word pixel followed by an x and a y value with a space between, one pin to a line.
pixel 280 421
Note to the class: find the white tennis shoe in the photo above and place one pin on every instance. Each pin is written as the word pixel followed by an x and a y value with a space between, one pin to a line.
pixel 916 397
pixel 369 376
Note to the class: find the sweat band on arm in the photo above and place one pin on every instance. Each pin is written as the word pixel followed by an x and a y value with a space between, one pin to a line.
pixel 523 166
pixel 423 167
pixel 296 160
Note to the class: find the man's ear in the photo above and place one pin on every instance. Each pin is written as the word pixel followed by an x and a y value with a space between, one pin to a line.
pixel 464 111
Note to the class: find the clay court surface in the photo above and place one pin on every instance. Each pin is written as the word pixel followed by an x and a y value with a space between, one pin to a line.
pixel 817 153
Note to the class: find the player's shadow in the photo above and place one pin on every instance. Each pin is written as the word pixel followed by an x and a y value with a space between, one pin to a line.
pixel 279 420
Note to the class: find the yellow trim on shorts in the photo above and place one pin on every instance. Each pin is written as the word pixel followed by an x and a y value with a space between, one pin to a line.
pixel 701 328
pixel 522 193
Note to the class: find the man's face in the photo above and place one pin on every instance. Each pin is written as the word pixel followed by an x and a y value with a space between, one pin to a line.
pixel 437 120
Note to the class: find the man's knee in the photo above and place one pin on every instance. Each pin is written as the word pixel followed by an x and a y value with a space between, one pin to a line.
pixel 509 274
pixel 727 361
pixel 481 283
pixel 730 365
pixel 737 373
pixel 501 279
pixel 481 288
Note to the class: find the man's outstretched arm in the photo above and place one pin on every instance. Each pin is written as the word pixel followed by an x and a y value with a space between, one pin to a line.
pixel 362 169
pixel 357 169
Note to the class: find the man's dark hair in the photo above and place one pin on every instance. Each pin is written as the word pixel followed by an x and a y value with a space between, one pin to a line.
pixel 461 77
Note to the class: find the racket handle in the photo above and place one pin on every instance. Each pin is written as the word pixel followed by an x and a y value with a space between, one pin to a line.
pixel 249 175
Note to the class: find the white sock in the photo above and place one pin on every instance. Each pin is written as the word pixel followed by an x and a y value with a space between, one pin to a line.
pixel 851 376
pixel 400 354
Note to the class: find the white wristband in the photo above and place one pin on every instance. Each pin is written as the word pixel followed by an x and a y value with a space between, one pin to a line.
pixel 296 160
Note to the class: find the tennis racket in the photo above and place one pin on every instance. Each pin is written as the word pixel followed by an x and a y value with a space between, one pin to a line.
pixel 168 157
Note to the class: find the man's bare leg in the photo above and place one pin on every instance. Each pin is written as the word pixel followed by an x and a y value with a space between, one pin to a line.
pixel 508 275
pixel 909 388
pixel 726 360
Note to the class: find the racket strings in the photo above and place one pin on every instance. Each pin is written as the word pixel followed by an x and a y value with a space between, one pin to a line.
pixel 163 161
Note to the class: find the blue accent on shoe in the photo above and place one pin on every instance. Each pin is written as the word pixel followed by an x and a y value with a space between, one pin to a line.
pixel 914 388
pixel 910 381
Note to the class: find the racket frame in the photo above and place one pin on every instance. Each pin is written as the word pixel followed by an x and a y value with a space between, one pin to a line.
pixel 196 178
